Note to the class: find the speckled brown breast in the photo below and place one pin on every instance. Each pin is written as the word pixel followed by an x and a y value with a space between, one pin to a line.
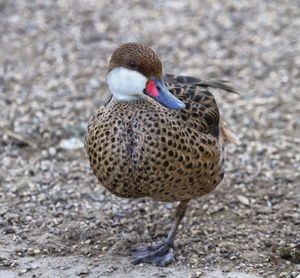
pixel 141 148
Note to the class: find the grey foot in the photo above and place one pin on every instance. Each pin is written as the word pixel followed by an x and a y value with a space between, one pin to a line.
pixel 160 255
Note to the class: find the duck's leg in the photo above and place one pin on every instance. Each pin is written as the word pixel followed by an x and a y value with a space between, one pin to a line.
pixel 162 254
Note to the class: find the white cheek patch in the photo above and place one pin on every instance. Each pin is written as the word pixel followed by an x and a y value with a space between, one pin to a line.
pixel 126 84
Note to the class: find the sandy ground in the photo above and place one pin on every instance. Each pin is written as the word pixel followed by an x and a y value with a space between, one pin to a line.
pixel 56 221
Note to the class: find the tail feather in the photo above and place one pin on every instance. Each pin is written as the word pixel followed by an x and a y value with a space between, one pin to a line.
pixel 228 135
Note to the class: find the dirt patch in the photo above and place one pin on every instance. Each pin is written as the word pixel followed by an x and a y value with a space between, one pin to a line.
pixel 54 215
pixel 105 267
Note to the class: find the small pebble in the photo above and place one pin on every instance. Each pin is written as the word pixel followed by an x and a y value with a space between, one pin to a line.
pixel 243 200
pixel 52 151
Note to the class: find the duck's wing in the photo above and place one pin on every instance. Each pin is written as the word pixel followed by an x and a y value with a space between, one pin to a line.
pixel 171 79
pixel 201 107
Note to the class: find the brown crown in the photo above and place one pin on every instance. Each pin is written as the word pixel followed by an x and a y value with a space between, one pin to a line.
pixel 138 57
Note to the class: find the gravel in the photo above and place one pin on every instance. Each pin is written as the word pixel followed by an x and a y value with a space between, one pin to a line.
pixel 53 61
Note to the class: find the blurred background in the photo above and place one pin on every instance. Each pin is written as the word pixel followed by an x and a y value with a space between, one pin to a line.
pixel 53 58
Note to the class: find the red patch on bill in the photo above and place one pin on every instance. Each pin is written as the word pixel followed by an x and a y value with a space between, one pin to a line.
pixel 151 89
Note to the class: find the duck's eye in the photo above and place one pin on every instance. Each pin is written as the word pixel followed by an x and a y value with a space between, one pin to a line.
pixel 132 65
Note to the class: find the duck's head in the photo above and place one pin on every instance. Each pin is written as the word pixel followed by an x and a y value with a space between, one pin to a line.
pixel 135 72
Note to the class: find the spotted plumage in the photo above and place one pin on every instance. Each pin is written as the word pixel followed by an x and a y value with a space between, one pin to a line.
pixel 142 149
pixel 139 147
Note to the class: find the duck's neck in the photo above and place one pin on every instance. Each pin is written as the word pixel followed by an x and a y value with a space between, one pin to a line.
pixel 126 84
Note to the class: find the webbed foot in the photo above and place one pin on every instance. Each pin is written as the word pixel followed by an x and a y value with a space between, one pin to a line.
pixel 160 255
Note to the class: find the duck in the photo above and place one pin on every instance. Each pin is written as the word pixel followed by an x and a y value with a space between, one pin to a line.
pixel 159 136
